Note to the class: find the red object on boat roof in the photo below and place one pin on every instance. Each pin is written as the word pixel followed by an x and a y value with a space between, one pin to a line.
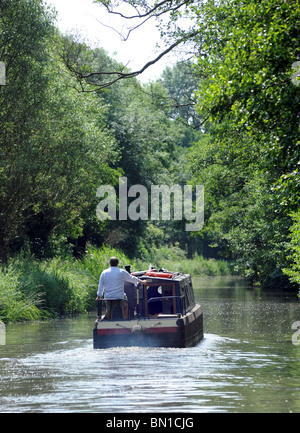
pixel 158 274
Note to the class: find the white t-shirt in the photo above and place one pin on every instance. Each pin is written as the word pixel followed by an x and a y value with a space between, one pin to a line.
pixel 112 282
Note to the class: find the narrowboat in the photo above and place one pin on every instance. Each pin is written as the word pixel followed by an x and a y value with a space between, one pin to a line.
pixel 161 313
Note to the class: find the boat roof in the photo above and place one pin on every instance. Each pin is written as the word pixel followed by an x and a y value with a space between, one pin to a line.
pixel 176 276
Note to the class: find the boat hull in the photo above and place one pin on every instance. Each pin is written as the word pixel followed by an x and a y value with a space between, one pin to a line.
pixel 161 331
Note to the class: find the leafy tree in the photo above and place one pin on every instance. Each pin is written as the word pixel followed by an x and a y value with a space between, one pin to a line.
pixel 182 85
pixel 293 271
pixel 24 30
pixel 55 147
pixel 251 159
pixel 79 157
pixel 147 138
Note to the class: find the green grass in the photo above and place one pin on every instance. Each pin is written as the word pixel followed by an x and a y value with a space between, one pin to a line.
pixel 173 259
pixel 33 289
pixel 15 305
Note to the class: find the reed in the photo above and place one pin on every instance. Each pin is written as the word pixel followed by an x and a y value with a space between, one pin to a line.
pixel 15 305
pixel 33 289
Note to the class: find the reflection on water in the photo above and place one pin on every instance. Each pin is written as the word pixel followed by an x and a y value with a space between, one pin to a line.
pixel 246 362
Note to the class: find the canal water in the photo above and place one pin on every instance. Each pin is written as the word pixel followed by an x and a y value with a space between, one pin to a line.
pixel 247 361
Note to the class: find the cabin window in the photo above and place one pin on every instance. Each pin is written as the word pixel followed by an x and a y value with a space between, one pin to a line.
pixel 189 295
pixel 168 303
pixel 163 299
pixel 155 306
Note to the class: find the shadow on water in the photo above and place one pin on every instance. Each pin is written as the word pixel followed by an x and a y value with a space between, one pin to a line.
pixel 246 362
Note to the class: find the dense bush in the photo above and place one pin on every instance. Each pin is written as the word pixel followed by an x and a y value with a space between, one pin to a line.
pixel 293 272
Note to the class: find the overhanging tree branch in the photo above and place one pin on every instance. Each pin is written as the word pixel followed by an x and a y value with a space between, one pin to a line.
pixel 116 75
pixel 164 7
pixel 155 11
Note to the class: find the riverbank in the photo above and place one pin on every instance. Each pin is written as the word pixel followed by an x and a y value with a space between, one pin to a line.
pixel 33 289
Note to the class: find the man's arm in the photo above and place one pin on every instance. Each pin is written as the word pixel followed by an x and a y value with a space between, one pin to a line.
pixel 132 279
pixel 101 287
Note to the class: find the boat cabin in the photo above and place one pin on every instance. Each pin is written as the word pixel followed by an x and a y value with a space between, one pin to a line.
pixel 162 295
pixel 161 313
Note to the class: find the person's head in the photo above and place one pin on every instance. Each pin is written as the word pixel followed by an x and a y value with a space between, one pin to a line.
pixel 114 261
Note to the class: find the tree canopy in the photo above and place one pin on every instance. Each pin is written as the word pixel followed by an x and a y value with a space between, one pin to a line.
pixel 251 161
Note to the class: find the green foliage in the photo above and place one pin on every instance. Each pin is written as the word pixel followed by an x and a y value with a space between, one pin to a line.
pixel 55 146
pixel 41 279
pixel 182 84
pixel 97 259
pixel 245 87
pixel 35 289
pixel 78 153
pixel 149 142
pixel 293 272
pixel 249 161
pixel 14 304
pixel 173 258
pixel 24 30
pixel 60 140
